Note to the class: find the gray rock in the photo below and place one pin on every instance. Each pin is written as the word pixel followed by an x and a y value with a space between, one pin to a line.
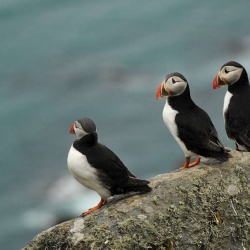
pixel 205 207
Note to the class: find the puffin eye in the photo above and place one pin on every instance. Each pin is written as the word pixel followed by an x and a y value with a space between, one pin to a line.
pixel 76 125
pixel 226 71
pixel 173 81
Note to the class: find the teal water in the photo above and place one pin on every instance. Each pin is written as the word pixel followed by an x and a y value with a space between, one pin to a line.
pixel 62 60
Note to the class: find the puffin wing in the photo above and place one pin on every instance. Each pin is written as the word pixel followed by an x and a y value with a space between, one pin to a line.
pixel 197 131
pixel 244 137
pixel 237 117
pixel 110 168
pixel 237 125
pixel 241 135
pixel 115 176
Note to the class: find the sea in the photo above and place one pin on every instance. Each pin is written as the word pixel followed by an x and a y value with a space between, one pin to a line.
pixel 64 60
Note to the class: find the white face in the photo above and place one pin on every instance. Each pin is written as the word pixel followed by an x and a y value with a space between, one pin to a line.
pixel 230 74
pixel 175 86
pixel 79 130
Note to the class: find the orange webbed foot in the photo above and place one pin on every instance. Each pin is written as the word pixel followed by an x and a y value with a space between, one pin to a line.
pixel 100 204
pixel 187 165
pixel 196 162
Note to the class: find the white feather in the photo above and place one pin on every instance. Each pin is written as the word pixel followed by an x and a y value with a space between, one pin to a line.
pixel 169 119
pixel 85 173
pixel 227 98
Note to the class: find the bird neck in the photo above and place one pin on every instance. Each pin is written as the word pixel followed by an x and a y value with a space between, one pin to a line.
pixel 88 140
pixel 239 85
pixel 181 101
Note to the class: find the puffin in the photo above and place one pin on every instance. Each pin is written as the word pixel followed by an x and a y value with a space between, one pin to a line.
pixel 190 125
pixel 97 167
pixel 236 109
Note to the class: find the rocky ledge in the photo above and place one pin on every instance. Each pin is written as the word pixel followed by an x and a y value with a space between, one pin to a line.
pixel 205 207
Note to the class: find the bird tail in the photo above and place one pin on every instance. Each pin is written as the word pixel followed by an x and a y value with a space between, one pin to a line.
pixel 141 189
pixel 223 157
pixel 133 185
pixel 137 185
pixel 133 181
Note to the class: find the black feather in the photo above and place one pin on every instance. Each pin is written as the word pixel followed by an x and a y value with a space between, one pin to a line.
pixel 237 116
pixel 111 171
pixel 196 129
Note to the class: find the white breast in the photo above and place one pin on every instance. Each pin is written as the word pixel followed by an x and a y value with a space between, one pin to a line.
pixel 227 98
pixel 169 119
pixel 85 173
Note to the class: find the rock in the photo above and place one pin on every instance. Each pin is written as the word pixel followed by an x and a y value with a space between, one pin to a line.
pixel 205 207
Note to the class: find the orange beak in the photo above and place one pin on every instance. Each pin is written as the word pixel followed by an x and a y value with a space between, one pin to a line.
pixel 71 130
pixel 219 82
pixel 158 93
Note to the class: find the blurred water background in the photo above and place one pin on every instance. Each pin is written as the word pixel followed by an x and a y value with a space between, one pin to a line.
pixel 63 60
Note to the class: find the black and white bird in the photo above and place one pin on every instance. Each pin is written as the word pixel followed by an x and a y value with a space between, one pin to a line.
pixel 190 125
pixel 97 167
pixel 236 110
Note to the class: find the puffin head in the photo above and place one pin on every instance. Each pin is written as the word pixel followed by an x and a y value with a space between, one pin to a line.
pixel 174 84
pixel 82 127
pixel 230 73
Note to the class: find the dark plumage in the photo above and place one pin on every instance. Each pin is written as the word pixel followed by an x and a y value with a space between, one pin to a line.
pixel 111 170
pixel 190 125
pixel 97 167
pixel 236 103
pixel 196 129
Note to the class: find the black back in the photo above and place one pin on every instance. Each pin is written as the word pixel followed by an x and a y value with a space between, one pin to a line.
pixel 195 128
pixel 110 169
